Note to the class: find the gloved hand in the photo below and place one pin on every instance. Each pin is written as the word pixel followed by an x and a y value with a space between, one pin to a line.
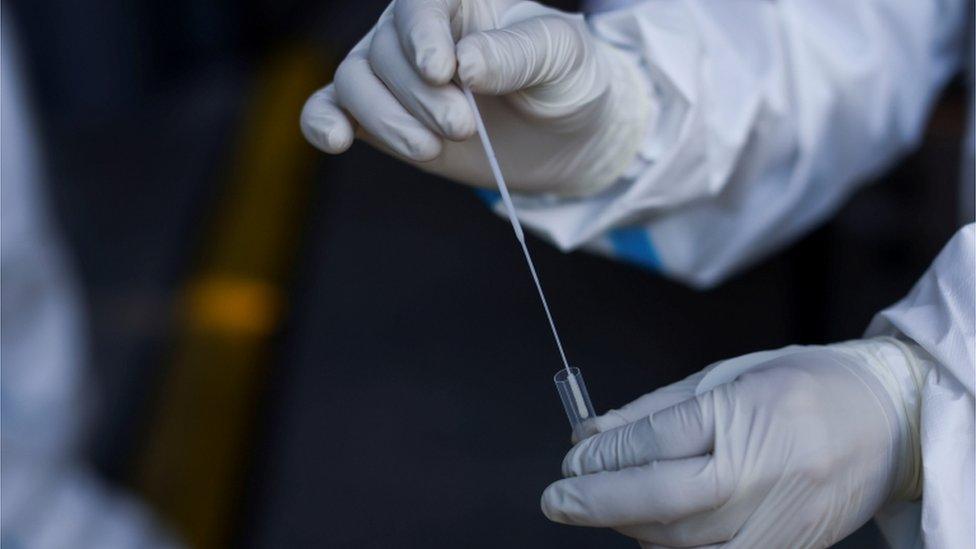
pixel 790 448
pixel 565 111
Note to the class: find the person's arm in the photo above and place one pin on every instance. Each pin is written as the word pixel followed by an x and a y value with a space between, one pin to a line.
pixel 770 114
pixel 938 315
pixel 687 135
pixel 800 446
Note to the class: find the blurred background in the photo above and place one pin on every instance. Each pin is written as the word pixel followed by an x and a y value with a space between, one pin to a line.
pixel 284 349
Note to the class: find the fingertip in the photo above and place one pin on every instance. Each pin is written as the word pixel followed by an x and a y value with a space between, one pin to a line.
pixel 331 139
pixel 573 460
pixel 425 34
pixel 459 123
pixel 432 45
pixel 325 138
pixel 339 141
pixel 422 149
pixel 324 125
pixel 471 63
pixel 550 504
pixel 561 502
pixel 435 66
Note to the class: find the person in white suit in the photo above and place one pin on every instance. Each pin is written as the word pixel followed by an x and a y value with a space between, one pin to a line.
pixel 49 496
pixel 696 138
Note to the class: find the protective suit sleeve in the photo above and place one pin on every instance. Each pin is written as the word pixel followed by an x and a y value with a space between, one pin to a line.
pixel 768 116
pixel 938 315
pixel 48 496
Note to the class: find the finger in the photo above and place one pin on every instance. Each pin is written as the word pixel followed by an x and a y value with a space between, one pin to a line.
pixel 379 145
pixel 324 124
pixel 660 492
pixel 702 529
pixel 424 28
pixel 684 430
pixel 440 108
pixel 659 399
pixel 365 97
pixel 645 545
pixel 528 53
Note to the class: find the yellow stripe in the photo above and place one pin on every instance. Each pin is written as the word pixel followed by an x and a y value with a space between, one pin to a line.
pixel 232 306
pixel 195 459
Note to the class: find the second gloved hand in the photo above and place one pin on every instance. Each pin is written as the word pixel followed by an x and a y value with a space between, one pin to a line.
pixel 791 448
pixel 566 111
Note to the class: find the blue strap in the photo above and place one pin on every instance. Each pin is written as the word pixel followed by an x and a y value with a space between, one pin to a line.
pixel 630 244
pixel 488 196
pixel 633 244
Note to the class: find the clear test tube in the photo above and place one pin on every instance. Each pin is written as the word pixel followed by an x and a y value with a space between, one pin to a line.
pixel 572 391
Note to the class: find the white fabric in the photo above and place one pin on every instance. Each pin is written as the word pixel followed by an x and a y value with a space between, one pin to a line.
pixel 770 115
pixel 932 405
pixel 41 383
pixel 832 91
pixel 764 117
pixel 758 451
pixel 565 111
pixel 48 498
pixel 938 315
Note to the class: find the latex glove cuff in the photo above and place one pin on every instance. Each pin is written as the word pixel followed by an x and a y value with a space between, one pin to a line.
pixel 897 370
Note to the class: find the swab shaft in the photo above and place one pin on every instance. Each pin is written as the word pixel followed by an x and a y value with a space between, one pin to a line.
pixel 507 199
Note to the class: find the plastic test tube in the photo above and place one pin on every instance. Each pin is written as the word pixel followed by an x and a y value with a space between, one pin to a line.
pixel 572 391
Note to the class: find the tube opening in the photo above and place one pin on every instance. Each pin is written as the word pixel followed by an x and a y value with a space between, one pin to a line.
pixel 562 376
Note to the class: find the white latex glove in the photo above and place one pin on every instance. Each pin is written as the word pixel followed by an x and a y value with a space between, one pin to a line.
pixel 791 448
pixel 565 111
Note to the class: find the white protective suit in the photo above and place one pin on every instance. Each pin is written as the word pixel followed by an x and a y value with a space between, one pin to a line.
pixel 770 116
pixel 789 106
pixel 761 450
pixel 48 497
pixel 938 314
pixel 764 117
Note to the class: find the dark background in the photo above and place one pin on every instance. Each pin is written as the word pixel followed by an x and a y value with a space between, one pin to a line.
pixel 402 396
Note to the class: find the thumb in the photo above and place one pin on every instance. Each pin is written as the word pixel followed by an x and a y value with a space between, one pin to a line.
pixel 644 406
pixel 532 52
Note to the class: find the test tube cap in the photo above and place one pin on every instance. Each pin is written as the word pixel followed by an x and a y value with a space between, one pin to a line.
pixel 573 394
